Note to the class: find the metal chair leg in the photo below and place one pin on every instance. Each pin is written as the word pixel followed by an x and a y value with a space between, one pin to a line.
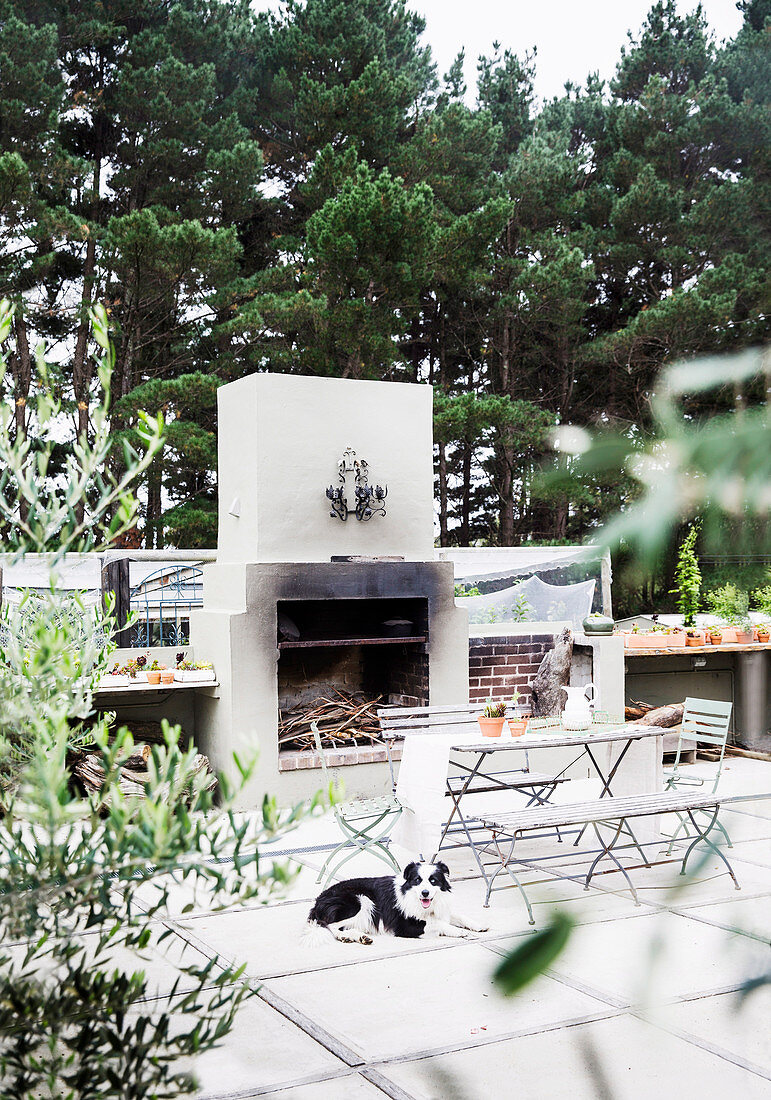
pixel 703 835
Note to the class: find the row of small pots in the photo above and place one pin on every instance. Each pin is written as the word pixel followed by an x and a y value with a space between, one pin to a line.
pixel 157 676
pixel 680 638
pixel 493 727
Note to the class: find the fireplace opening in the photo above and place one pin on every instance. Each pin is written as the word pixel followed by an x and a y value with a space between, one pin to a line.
pixel 306 624
pixel 338 660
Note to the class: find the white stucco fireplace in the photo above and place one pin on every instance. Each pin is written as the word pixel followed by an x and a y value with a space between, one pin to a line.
pixel 284 553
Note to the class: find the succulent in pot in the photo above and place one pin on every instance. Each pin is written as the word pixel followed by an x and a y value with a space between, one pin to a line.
pixel 517 723
pixel 715 635
pixel 492 718
pixel 764 631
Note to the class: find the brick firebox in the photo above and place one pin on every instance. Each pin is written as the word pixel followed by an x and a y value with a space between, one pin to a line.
pixel 498 665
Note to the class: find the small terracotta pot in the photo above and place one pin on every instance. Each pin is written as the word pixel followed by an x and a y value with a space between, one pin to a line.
pixel 716 639
pixel 167 676
pixel 490 727
pixel 517 726
pixel 744 637
pixel 762 636
pixel 698 640
pixel 154 677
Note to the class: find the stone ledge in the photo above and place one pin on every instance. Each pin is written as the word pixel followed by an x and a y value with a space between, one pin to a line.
pixel 304 759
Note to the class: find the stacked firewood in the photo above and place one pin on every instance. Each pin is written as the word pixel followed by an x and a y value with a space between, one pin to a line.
pixel 342 719
pixel 133 775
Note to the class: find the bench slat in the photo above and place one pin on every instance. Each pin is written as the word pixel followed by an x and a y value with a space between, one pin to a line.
pixel 601 809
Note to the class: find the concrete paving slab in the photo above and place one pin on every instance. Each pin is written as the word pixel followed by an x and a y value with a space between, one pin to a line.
pixel 269 941
pixel 658 957
pixel 635 1059
pixel 427 1001
pixel 738 1030
pixel 353 1087
pixel 263 1051
pixel 747 916
pixel 507 911
pixel 663 884
pixel 746 825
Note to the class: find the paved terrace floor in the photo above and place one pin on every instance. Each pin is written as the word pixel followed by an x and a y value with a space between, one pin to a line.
pixel 641 1004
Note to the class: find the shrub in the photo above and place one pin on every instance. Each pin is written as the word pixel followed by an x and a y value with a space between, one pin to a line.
pixel 83 880
pixel 729 603
pixel 688 577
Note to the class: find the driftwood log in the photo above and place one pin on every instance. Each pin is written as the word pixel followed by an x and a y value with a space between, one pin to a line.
pixel 668 716
pixel 553 674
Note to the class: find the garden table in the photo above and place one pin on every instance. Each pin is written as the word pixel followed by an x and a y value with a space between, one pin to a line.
pixel 433 735
pixel 605 747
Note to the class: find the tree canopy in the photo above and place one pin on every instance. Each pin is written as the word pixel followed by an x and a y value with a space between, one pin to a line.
pixel 303 192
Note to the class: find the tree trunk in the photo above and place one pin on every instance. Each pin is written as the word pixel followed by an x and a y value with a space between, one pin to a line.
pixel 465 519
pixel 22 379
pixel 444 534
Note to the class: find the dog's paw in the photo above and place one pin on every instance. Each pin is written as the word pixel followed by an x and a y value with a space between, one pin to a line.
pixel 366 940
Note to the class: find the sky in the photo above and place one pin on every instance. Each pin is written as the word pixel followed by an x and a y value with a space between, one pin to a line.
pixel 572 37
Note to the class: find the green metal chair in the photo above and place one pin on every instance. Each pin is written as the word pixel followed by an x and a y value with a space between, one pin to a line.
pixel 365 823
pixel 705 721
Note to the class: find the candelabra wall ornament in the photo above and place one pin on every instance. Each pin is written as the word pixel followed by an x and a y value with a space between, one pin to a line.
pixel 370 500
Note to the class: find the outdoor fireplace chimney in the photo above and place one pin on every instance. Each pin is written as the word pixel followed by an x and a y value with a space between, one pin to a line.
pixel 280 442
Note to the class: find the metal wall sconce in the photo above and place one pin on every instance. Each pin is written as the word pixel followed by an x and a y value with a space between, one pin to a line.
pixel 369 500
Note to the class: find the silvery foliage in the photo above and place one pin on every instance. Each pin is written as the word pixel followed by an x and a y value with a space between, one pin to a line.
pixel 83 881
pixel 716 469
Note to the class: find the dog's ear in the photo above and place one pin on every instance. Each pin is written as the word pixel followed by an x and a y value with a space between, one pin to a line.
pixel 443 872
pixel 411 877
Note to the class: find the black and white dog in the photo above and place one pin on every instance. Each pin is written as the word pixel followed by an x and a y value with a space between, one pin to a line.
pixel 406 905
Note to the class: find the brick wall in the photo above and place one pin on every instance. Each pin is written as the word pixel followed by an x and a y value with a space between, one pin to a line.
pixel 498 665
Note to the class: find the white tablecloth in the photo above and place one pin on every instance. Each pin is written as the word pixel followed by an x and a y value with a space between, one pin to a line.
pixel 423 774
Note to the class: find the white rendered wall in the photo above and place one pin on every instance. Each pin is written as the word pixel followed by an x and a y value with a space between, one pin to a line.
pixel 280 440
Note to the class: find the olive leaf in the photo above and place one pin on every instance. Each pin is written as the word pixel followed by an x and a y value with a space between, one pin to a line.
pixel 532 957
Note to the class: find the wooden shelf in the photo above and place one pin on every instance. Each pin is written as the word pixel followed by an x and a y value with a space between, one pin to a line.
pixel 310 643
pixel 691 650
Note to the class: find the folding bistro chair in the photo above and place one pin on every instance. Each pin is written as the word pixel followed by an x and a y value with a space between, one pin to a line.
pixel 365 823
pixel 704 721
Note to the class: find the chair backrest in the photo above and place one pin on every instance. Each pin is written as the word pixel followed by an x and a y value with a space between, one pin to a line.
pixel 706 722
pixel 320 750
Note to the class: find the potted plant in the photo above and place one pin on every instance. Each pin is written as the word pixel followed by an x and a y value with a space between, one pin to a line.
pixel 154 672
pixel 194 672
pixel 597 625
pixel 491 719
pixel 745 632
pixel 116 677
pixel 715 635
pixel 688 579
pixel 763 632
pixel 517 724
pixel 694 637
pixel 731 605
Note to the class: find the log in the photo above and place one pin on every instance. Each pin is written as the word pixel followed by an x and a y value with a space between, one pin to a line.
pixel 553 674
pixel 670 715
pixel 636 709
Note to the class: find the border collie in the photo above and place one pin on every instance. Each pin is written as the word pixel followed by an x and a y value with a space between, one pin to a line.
pixel 405 905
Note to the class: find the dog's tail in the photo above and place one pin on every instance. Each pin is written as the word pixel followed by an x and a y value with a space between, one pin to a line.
pixel 315 934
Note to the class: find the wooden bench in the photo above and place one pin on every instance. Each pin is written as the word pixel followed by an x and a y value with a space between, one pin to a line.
pixel 610 814
pixel 399 722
